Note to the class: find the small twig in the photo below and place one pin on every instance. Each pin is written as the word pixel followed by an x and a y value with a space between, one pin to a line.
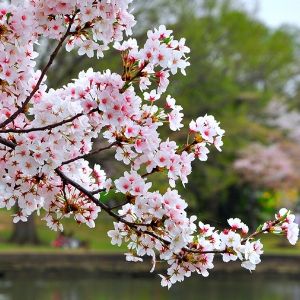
pixel 273 223
pixel 98 191
pixel 90 195
pixel 154 170
pixel 119 205
pixel 205 252
pixel 186 147
pixel 89 154
pixel 65 196
pixel 47 127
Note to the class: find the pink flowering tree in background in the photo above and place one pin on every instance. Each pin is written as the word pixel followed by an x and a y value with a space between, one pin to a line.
pixel 269 167
pixel 271 170
pixel 46 136
pixel 282 116
pixel 273 167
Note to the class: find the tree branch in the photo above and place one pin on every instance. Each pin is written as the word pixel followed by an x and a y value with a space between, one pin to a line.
pixel 268 229
pixel 133 226
pixel 47 127
pixel 7 143
pixel 91 196
pixel 51 59
pixel 89 154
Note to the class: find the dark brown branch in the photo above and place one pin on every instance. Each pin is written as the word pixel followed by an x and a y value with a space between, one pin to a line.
pixel 91 197
pixel 187 147
pixel 131 79
pixel 119 205
pixel 251 236
pixel 205 252
pixel 7 143
pixel 47 127
pixel 154 170
pixel 133 226
pixel 89 154
pixel 98 191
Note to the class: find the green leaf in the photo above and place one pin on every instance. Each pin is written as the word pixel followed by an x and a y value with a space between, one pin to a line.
pixel 259 227
pixel 8 15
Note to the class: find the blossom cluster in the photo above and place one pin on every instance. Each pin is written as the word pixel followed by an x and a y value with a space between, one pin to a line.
pixel 285 226
pixel 91 25
pixel 186 247
pixel 271 167
pixel 38 123
pixel 46 135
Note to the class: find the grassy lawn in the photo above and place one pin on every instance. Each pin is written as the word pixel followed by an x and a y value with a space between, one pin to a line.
pixel 98 240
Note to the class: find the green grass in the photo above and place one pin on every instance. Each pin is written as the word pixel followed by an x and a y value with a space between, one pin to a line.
pixel 278 245
pixel 96 238
pixel 99 241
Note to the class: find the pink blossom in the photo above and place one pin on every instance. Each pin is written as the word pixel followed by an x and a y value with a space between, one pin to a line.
pixel 293 233
pixel 47 134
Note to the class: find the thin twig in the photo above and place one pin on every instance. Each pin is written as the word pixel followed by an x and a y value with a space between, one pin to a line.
pixel 119 205
pixel 90 195
pixel 89 154
pixel 65 195
pixel 47 127
pixel 273 223
pixel 98 191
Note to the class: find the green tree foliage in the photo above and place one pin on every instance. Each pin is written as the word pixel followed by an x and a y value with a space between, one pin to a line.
pixel 237 65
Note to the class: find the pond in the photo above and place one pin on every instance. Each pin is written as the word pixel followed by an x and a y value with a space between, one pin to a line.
pixel 225 286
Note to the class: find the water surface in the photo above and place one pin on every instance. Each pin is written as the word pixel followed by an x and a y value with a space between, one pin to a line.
pixel 225 287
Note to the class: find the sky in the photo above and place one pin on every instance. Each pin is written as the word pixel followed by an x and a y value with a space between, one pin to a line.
pixel 276 12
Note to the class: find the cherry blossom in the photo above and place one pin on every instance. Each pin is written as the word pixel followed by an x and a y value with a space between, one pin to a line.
pixel 47 134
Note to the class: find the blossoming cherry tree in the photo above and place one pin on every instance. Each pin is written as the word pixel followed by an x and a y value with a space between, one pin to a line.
pixel 46 136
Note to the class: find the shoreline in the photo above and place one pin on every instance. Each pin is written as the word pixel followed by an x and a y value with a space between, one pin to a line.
pixel 87 263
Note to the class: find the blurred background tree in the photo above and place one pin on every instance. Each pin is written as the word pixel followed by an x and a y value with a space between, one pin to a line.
pixel 238 65
pixel 272 171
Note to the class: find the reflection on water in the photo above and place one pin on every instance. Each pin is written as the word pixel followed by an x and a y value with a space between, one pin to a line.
pixel 125 288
